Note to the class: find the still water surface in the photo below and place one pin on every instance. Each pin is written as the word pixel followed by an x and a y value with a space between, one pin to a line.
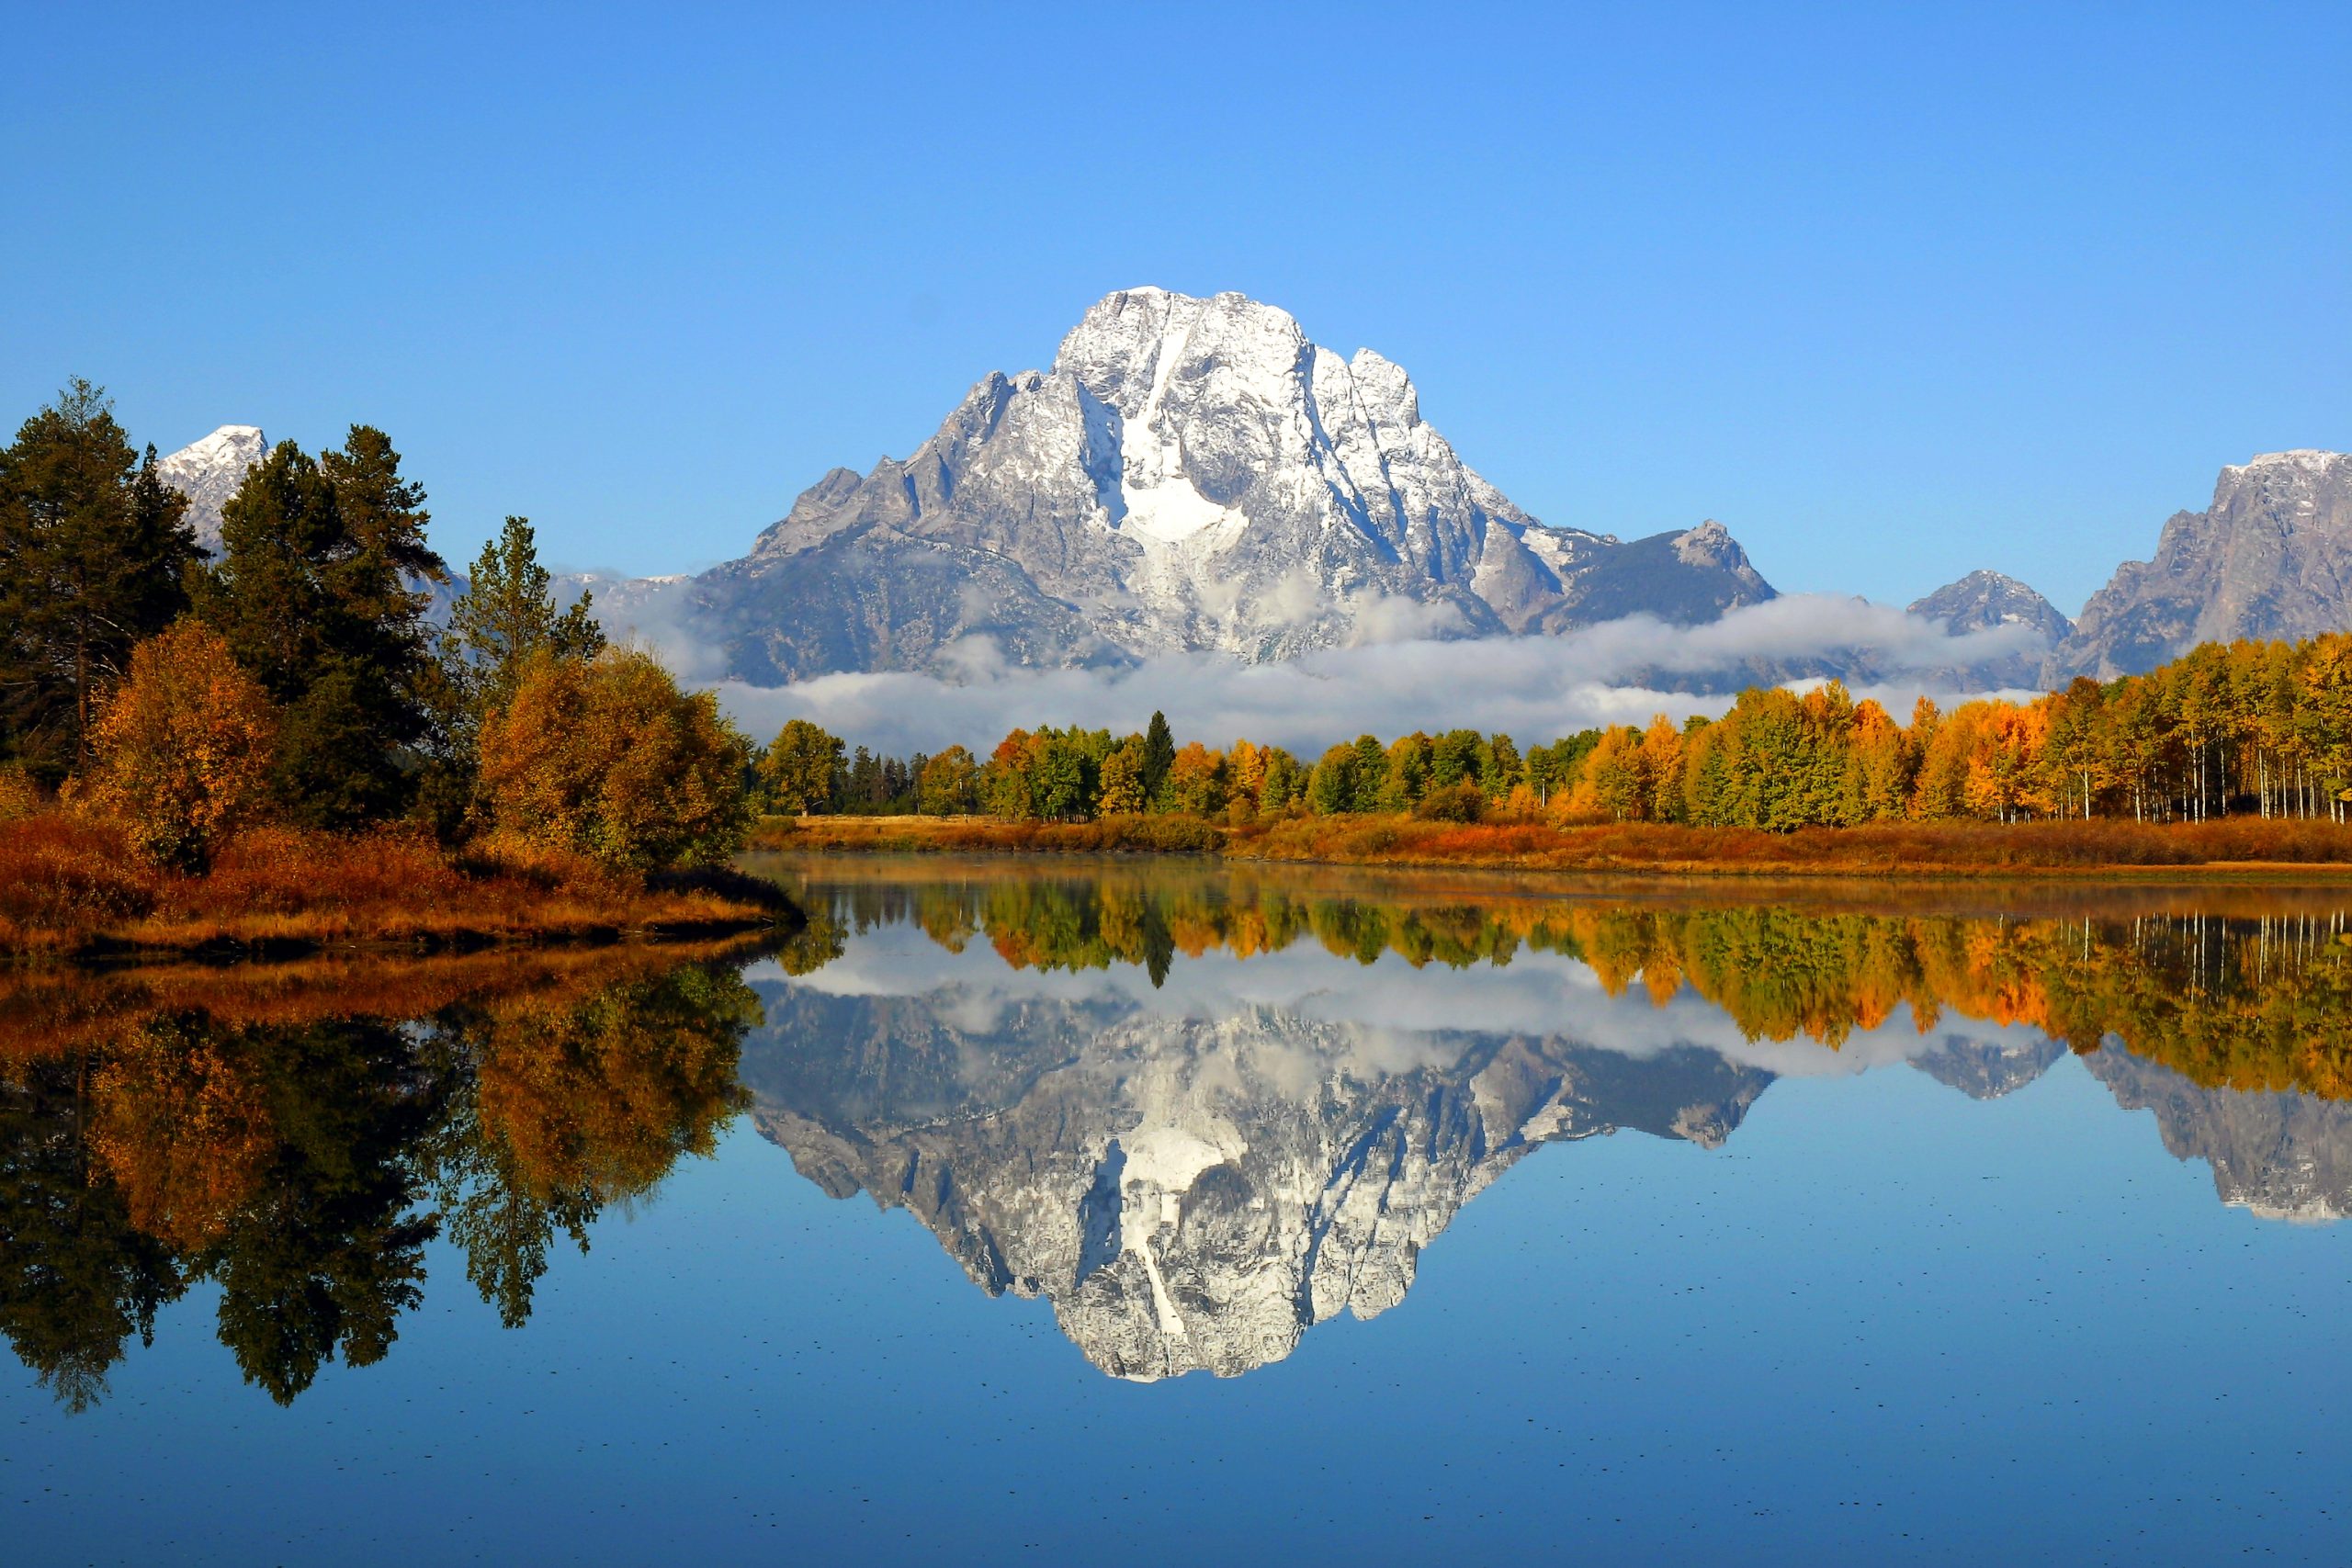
pixel 1175 1213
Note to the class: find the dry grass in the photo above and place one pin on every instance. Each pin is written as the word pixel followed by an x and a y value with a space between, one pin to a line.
pixel 901 835
pixel 71 886
pixel 1974 849
pixel 2238 846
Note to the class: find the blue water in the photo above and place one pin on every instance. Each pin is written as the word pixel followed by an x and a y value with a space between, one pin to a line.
pixel 1882 1322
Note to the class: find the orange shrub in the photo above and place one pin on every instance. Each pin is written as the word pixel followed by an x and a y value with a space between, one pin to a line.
pixel 68 874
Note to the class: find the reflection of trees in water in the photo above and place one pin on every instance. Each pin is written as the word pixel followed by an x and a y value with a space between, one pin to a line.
pixel 303 1165
pixel 2255 1001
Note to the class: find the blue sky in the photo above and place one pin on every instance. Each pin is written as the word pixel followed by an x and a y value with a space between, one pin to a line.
pixel 1893 296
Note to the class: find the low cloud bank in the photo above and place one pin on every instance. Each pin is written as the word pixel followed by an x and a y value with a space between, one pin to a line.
pixel 1534 687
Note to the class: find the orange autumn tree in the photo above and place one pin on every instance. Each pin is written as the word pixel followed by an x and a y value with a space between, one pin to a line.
pixel 607 758
pixel 183 750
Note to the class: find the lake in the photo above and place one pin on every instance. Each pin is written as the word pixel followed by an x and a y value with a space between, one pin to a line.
pixel 1174 1211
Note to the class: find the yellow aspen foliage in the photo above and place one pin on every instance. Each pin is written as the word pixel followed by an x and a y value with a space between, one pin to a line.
pixel 183 750
pixel 608 758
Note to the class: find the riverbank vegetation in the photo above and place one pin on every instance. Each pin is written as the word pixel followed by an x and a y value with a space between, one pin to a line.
pixel 2240 846
pixel 2234 754
pixel 2245 729
pixel 270 744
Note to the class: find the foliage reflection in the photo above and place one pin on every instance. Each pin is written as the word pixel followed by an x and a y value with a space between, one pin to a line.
pixel 156 1134
pixel 2233 989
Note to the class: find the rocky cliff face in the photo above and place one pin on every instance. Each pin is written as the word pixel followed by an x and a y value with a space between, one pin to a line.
pixel 1987 601
pixel 1190 1194
pixel 2270 558
pixel 209 472
pixel 1189 474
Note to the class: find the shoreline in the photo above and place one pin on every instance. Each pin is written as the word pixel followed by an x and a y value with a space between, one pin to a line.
pixel 69 893
pixel 2060 852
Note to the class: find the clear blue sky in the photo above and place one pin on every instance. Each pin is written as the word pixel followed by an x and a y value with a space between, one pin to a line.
pixel 1894 296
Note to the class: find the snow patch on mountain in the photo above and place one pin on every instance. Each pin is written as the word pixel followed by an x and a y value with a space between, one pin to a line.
pixel 209 472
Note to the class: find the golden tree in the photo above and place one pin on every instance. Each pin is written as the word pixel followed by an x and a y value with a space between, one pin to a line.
pixel 183 750
pixel 608 758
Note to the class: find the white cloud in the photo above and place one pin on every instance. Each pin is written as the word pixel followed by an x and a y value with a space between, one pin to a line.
pixel 1535 688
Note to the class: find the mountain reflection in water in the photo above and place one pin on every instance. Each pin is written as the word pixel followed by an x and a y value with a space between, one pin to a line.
pixel 1197 1109
pixel 1202 1110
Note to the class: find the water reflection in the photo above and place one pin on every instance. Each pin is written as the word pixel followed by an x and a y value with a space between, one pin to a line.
pixel 297 1135
pixel 1201 1111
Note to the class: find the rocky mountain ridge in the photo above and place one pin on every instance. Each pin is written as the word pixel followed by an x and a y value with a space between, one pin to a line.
pixel 1189 474
pixel 1195 474
pixel 2270 556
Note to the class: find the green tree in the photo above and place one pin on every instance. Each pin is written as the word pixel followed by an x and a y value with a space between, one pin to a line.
pixel 94 553
pixel 801 767
pixel 1370 775
pixel 948 785
pixel 506 615
pixel 313 595
pixel 1159 756
pixel 1332 786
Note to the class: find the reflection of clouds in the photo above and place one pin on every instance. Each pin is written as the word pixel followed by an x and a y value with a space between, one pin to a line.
pixel 1397 1017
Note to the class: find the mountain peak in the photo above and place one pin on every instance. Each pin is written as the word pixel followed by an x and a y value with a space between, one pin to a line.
pixel 2265 559
pixel 1191 474
pixel 209 472
pixel 1983 600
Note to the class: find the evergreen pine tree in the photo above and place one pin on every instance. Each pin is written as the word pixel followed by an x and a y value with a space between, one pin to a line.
pixel 1159 756
pixel 94 553
pixel 506 614
pixel 313 595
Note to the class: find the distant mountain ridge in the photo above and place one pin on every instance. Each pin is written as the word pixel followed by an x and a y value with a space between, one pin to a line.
pixel 1196 475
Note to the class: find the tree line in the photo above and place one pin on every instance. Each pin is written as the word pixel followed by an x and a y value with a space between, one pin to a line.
pixel 2255 1002
pixel 295 677
pixel 2261 728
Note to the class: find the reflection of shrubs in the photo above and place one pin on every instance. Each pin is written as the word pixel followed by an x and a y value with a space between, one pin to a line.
pixel 184 749
pixel 609 758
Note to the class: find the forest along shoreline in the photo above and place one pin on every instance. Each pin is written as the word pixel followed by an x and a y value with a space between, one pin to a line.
pixel 262 744
pixel 2233 760
pixel 2232 851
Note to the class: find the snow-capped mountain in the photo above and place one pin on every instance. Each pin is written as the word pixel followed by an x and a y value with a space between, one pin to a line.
pixel 209 472
pixel 2270 558
pixel 1188 474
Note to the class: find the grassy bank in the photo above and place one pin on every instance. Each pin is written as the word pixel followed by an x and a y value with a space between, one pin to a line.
pixel 2238 846
pixel 71 888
